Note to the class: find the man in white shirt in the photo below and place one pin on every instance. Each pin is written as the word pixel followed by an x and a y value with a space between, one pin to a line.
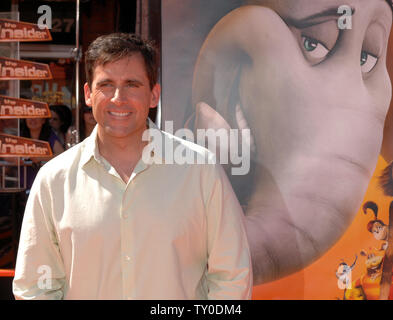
pixel 101 223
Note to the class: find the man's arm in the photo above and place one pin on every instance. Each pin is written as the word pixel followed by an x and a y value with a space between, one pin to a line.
pixel 229 263
pixel 39 272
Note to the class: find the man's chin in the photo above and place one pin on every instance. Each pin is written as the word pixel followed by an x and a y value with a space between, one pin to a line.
pixel 119 132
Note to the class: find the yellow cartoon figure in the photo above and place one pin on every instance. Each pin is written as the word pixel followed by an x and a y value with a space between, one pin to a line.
pixel 367 287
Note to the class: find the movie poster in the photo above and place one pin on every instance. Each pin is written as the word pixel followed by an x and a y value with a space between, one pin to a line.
pixel 299 93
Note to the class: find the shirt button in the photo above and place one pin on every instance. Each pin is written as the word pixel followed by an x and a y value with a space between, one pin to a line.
pixel 127 258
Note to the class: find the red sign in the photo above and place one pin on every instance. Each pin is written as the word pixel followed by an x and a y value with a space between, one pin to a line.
pixel 13 146
pixel 12 69
pixel 22 31
pixel 21 108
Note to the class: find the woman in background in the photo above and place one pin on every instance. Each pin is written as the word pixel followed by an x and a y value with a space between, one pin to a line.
pixel 86 126
pixel 39 129
pixel 60 121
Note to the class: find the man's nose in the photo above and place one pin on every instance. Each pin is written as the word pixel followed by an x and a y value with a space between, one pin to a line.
pixel 118 96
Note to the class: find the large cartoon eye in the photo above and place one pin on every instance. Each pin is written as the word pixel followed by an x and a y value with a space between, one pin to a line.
pixel 367 61
pixel 316 40
pixel 314 49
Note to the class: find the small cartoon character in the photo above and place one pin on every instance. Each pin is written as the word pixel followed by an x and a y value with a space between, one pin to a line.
pixel 343 273
pixel 367 287
pixel 377 227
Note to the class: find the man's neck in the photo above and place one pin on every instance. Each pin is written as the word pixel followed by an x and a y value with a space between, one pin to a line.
pixel 122 153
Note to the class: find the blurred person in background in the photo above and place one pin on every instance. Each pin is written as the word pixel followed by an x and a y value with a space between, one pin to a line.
pixel 60 121
pixel 86 126
pixel 39 129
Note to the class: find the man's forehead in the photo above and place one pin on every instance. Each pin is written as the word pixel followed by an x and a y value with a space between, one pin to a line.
pixel 133 63
pixel 131 57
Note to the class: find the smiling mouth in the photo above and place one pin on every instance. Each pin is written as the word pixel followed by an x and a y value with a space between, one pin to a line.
pixel 119 114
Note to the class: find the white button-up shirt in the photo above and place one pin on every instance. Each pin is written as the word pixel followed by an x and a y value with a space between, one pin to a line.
pixel 172 232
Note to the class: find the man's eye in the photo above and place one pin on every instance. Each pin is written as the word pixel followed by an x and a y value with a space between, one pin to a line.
pixel 367 61
pixel 314 50
pixel 104 85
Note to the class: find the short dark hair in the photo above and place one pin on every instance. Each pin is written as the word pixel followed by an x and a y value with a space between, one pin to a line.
pixel 115 46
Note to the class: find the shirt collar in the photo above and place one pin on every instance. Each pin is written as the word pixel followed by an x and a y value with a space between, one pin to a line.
pixel 91 148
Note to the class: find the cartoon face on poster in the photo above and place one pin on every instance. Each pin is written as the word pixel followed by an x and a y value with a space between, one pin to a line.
pixel 302 90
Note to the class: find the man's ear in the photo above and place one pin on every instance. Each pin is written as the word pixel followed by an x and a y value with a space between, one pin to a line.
pixel 87 91
pixel 155 95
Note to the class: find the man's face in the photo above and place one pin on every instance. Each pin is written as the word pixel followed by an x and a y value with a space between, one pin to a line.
pixel 120 97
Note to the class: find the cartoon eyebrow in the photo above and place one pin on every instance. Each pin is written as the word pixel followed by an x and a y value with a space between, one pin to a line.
pixel 315 19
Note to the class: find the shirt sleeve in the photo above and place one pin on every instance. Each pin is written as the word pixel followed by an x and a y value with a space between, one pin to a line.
pixel 229 274
pixel 39 271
